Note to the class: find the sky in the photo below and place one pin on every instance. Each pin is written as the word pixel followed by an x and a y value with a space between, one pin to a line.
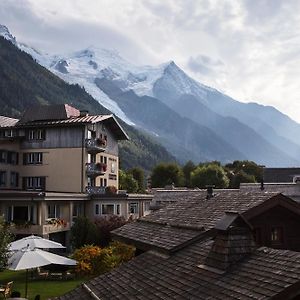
pixel 248 49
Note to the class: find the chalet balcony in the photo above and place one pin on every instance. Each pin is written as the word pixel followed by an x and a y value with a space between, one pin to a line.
pixel 95 145
pixel 95 190
pixel 95 169
pixel 28 229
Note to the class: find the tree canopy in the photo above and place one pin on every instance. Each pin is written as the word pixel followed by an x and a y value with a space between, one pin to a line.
pixel 166 174
pixel 127 182
pixel 211 174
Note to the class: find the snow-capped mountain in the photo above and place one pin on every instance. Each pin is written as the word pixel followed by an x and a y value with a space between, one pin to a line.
pixel 6 34
pixel 249 131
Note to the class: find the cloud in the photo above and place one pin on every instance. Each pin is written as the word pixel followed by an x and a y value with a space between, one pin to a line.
pixel 204 64
pixel 246 48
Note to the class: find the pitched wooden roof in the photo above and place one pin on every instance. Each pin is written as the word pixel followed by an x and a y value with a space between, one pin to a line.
pixel 194 214
pixel 265 274
pixel 62 115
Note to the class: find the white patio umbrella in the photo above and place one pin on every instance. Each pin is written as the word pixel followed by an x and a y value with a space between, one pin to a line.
pixel 28 258
pixel 33 242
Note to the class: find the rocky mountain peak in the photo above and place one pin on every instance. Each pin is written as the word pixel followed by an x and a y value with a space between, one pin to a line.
pixel 6 34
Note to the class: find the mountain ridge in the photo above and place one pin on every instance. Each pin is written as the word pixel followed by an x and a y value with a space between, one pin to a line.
pixel 24 83
pixel 250 123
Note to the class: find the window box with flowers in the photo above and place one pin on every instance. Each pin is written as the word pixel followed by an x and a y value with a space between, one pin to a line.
pixel 101 142
pixel 56 222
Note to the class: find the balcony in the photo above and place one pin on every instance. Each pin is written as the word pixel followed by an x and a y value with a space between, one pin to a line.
pixel 95 190
pixel 39 229
pixel 95 145
pixel 95 169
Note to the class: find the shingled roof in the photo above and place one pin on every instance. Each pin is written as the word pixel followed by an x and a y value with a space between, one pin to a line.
pixel 266 273
pixel 193 214
pixel 225 265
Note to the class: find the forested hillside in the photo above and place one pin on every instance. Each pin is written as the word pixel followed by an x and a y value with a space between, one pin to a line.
pixel 24 83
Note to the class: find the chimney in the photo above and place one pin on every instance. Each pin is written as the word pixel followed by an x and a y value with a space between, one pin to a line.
pixel 262 186
pixel 84 113
pixel 233 242
pixel 210 191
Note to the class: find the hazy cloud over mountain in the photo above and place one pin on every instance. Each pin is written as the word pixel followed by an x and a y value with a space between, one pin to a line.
pixel 248 49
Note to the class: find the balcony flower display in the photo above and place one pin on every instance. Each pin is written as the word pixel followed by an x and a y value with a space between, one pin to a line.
pixel 102 166
pixel 111 190
pixel 56 222
pixel 102 142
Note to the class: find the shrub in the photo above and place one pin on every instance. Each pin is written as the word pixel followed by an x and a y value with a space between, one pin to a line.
pixel 93 260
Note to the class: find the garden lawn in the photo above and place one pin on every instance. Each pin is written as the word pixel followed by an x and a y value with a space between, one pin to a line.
pixel 43 287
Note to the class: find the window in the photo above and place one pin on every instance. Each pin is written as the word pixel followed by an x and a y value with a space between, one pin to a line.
pixel 103 182
pixel 31 135
pixel 103 159
pixel 14 179
pixel 97 212
pixel 9 157
pixel 3 156
pixel 113 167
pixel 89 134
pixel 133 208
pixel 8 133
pixel 276 235
pixel 36 134
pixel 12 157
pixel 2 178
pixel 33 158
pixel 108 209
pixel 147 206
pixel 77 210
pixel 34 183
pixel 53 211
pixel 118 211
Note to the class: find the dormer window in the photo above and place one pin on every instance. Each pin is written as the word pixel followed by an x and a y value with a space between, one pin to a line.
pixel 276 235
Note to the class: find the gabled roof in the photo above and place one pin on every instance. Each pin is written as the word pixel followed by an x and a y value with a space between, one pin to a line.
pixel 194 214
pixel 62 115
pixel 265 274
pixel 230 218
